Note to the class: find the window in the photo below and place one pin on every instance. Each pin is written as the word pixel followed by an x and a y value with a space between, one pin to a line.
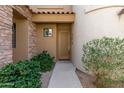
pixel 14 35
pixel 47 32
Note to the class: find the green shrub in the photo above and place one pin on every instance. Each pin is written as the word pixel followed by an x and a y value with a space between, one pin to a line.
pixel 25 73
pixel 45 60
pixel 105 59
pixel 24 67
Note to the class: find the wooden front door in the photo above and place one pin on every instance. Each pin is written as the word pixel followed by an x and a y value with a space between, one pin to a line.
pixel 63 41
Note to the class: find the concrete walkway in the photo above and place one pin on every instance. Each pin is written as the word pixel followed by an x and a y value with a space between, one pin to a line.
pixel 64 76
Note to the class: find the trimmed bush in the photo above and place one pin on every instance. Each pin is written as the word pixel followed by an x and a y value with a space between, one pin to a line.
pixel 25 73
pixel 45 60
pixel 105 59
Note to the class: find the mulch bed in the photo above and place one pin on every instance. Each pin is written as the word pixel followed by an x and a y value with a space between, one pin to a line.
pixel 85 79
pixel 45 78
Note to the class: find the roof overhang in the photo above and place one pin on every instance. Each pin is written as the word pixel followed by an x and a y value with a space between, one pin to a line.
pixel 53 18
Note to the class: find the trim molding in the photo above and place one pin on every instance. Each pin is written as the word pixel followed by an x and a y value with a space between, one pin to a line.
pixel 50 8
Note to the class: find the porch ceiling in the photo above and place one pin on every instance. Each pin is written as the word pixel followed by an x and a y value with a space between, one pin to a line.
pixel 53 18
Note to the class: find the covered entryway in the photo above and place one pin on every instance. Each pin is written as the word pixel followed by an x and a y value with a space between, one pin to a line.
pixel 54 34
pixel 55 38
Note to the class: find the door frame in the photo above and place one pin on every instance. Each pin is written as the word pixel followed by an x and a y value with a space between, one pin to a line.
pixel 57 40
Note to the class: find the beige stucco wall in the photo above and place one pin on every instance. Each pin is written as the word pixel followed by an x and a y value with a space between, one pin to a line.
pixel 46 43
pixel 23 12
pixel 96 24
pixel 50 8
pixel 53 18
pixel 21 50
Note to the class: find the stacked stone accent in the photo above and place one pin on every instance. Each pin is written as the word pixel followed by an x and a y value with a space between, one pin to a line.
pixel 5 35
pixel 32 50
pixel 6 16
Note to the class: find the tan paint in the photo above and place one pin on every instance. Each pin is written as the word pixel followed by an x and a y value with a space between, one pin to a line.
pixel 46 43
pixel 51 44
pixel 55 8
pixel 64 41
pixel 21 50
pixel 53 18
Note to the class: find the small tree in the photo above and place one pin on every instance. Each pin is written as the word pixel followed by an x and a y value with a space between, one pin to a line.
pixel 105 59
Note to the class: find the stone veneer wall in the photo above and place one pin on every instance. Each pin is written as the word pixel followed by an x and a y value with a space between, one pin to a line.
pixel 6 15
pixel 5 35
pixel 32 43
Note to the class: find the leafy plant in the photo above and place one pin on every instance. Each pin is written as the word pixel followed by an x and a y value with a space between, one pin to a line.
pixel 25 73
pixel 22 74
pixel 105 59
pixel 45 60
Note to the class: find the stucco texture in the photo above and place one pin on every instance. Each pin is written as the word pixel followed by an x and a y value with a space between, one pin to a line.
pixel 92 25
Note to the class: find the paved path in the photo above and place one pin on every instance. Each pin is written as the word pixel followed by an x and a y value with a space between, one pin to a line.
pixel 64 76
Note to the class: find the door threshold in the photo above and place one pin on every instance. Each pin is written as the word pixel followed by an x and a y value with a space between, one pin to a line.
pixel 64 60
